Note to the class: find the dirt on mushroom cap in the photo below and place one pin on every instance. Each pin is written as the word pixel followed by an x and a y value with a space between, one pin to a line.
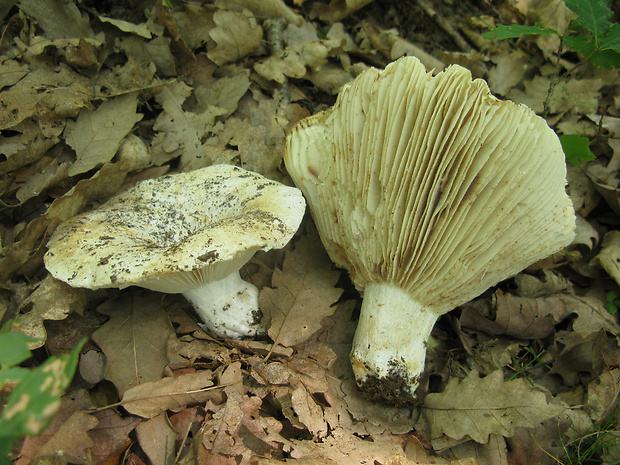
pixel 206 222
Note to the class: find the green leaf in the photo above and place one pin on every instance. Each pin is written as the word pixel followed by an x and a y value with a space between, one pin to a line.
pixel 576 148
pixel 593 14
pixel 12 375
pixel 33 403
pixel 516 30
pixel 13 348
pixel 583 44
pixel 608 59
pixel 611 38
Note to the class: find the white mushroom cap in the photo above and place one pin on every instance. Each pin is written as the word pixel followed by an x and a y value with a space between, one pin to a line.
pixel 178 234
pixel 428 190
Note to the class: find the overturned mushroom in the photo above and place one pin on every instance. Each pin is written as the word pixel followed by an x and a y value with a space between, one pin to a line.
pixel 428 190
pixel 186 233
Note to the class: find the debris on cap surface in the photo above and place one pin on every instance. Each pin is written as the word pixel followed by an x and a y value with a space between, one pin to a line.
pixel 176 233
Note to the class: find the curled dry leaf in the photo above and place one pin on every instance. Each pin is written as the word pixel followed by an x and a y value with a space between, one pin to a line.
pixel 151 399
pixel 51 300
pixel 238 429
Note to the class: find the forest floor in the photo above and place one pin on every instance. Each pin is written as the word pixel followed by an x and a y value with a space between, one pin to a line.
pixel 96 96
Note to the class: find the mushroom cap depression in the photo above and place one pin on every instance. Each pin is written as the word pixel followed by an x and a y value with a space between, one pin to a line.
pixel 431 184
pixel 176 232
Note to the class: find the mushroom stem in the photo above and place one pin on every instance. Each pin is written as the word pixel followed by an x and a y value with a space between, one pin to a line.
pixel 228 307
pixel 389 347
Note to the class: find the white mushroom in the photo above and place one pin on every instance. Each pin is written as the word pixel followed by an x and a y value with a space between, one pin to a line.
pixel 186 233
pixel 428 190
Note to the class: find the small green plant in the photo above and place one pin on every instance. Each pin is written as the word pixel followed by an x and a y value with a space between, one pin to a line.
pixel 34 400
pixel 593 37
pixel 530 360
pixel 613 302
pixel 587 448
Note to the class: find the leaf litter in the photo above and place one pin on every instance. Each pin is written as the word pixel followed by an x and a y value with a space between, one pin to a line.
pixel 94 99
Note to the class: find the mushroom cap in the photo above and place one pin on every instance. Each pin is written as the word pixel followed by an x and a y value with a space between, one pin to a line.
pixel 176 232
pixel 431 184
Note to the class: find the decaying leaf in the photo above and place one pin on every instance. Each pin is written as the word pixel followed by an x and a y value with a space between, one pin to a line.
pixel 478 407
pixel 303 293
pixel 293 61
pixel 180 131
pixel 63 94
pixel 520 317
pixel 174 393
pixel 97 134
pixel 237 427
pixel 110 434
pixel 134 339
pixel 236 36
pixel 51 300
pixel 609 256
pixel 157 439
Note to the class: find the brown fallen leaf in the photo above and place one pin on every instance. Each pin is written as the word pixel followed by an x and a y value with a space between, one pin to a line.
pixel 157 439
pixel 153 398
pixel 180 131
pixel 303 293
pixel 478 407
pixel 134 339
pixel 51 300
pixel 237 428
pixel 97 134
pixel 65 93
pixel 236 36
pixel 520 317
pixel 110 436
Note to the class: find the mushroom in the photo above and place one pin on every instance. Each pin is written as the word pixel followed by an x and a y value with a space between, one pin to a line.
pixel 428 190
pixel 186 233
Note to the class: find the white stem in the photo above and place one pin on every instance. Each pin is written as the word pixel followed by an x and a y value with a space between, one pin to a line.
pixel 390 342
pixel 228 307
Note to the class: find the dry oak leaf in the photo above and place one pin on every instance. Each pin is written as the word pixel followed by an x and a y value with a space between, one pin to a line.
pixel 96 134
pixel 520 317
pixel 150 399
pixel 478 407
pixel 236 36
pixel 45 94
pixel 51 300
pixel 303 293
pixel 293 61
pixel 134 339
pixel 238 429
pixel 180 130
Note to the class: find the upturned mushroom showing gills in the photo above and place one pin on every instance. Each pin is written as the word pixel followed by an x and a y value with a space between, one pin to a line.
pixel 186 233
pixel 428 190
